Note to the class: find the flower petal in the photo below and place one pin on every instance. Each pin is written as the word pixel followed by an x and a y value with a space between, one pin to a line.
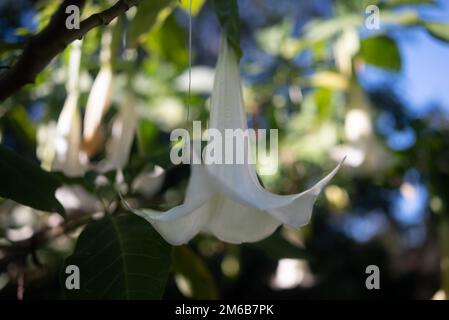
pixel 149 183
pixel 68 139
pixel 293 210
pixel 122 136
pixel 232 222
pixel 180 224
pixel 181 229
pixel 75 199
pixel 98 103
pixel 299 211
pixel 227 100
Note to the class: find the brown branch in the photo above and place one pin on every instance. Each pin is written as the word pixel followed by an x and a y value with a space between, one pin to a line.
pixel 41 48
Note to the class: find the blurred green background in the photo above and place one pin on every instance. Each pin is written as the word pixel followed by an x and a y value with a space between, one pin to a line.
pixel 312 70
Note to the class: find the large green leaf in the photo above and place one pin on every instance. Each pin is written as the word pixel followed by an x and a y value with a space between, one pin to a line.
pixel 381 51
pixel 26 183
pixel 145 18
pixel 228 15
pixel 119 257
pixel 195 273
pixel 438 29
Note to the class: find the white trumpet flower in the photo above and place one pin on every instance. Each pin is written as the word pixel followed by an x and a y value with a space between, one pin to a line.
pixel 72 160
pixel 227 200
pixel 122 136
pixel 68 139
pixel 120 143
pixel 99 99
pixel 123 131
pixel 68 157
pixel 98 103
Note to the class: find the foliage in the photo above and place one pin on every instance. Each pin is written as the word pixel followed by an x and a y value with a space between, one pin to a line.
pixel 120 258
pixel 19 180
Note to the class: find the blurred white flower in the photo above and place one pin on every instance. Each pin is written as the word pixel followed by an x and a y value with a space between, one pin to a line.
pixel 74 198
pixel 291 273
pixel 362 149
pixel 201 80
pixel 97 104
pixel 69 157
pixel 228 200
pixel 122 137
pixel 149 183
pixel 346 46
pixel 99 99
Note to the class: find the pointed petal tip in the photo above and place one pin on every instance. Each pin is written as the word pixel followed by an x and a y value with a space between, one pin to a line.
pixel 335 170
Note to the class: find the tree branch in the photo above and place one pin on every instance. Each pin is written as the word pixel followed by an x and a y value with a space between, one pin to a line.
pixel 41 48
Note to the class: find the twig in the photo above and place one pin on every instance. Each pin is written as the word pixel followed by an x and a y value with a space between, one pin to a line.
pixel 21 285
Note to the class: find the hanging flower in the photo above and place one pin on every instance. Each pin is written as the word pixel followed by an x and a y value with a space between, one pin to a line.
pixel 98 103
pixel 122 136
pixel 99 99
pixel 119 148
pixel 228 200
pixel 69 157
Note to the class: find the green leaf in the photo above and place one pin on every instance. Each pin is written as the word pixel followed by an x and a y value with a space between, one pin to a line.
pixel 272 38
pixel 196 5
pixel 148 14
pixel 168 41
pixel 324 29
pixel 17 120
pixel 26 183
pixel 438 30
pixel 8 46
pixel 192 269
pixel 227 12
pixel 381 51
pixel 120 257
pixel 323 100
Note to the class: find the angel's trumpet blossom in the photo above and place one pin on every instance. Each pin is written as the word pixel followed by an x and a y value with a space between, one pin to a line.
pixel 99 99
pixel 227 200
pixel 120 143
pixel 122 136
pixel 98 103
pixel 68 157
